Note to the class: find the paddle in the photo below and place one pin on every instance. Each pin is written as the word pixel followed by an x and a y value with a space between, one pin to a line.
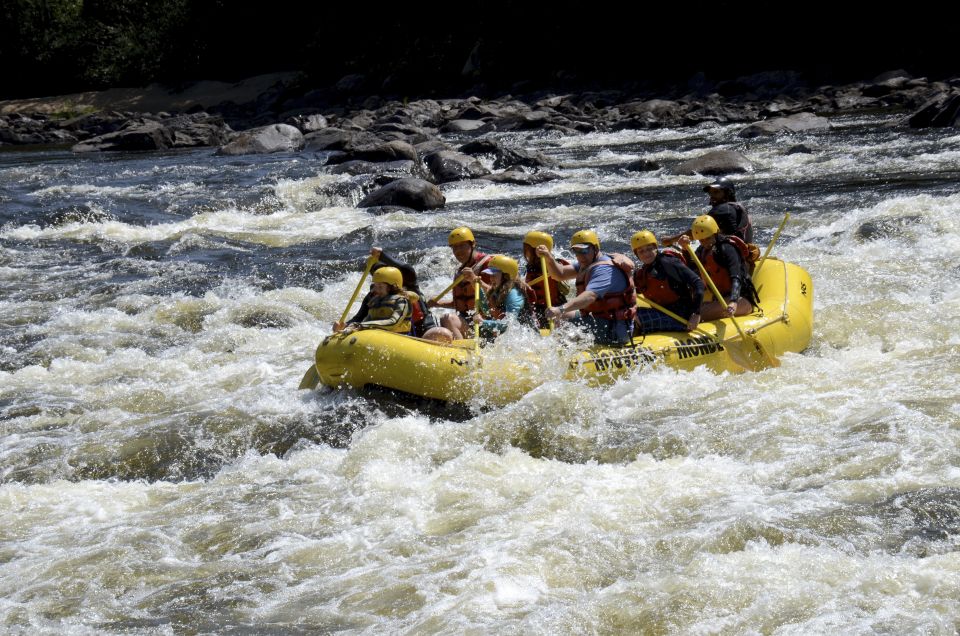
pixel 371 261
pixel 456 281
pixel 776 235
pixel 756 357
pixel 735 354
pixel 664 310
pixel 476 308
pixel 546 288
pixel 312 377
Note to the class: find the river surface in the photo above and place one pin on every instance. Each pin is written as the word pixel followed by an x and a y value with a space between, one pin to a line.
pixel 160 473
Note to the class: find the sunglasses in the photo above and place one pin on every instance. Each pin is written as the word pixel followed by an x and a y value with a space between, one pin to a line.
pixel 581 250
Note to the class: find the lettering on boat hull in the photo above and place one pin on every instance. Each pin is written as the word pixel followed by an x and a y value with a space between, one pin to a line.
pixel 699 346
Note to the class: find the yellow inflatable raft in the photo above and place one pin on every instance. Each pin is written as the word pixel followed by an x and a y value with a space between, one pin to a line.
pixel 458 372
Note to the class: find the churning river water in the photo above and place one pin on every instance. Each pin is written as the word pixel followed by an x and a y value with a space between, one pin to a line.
pixel 160 472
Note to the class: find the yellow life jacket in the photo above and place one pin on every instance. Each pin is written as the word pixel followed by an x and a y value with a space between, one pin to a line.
pixel 382 308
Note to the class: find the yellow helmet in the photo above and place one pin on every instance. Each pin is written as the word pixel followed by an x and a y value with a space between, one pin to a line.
pixel 704 226
pixel 585 236
pixel 535 238
pixel 460 235
pixel 389 275
pixel 506 265
pixel 641 239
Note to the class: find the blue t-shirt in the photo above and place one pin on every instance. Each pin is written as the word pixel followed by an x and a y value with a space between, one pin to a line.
pixel 604 279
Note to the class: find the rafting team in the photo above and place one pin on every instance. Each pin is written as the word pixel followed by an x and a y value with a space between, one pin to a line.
pixel 488 289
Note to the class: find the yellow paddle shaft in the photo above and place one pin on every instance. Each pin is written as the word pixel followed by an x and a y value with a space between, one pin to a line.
pixel 546 287
pixel 713 288
pixel 371 261
pixel 456 281
pixel 476 308
pixel 776 235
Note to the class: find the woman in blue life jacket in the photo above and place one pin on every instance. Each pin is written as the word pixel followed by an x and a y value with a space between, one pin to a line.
pixel 532 284
pixel 501 299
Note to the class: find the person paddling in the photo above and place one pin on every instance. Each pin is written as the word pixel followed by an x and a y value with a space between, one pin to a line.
pixel 422 323
pixel 724 258
pixel 532 283
pixel 606 300
pixel 387 306
pixel 664 278
pixel 501 299
pixel 463 245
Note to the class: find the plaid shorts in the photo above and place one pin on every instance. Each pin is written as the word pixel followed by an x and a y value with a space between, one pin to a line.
pixel 652 320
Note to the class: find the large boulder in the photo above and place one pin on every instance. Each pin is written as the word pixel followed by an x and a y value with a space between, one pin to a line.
pixel 523 120
pixel 716 162
pixel 474 126
pixel 941 111
pixel 198 129
pixel 357 167
pixel 409 193
pixel 505 157
pixel 801 122
pixel 95 124
pixel 308 122
pixel 143 135
pixel 264 140
pixel 448 165
pixel 338 139
pixel 431 146
pixel 389 151
pixel 183 131
pixel 652 113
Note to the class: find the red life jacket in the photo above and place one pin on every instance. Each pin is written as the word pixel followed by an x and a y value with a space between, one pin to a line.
pixel 539 296
pixel 719 273
pixel 620 305
pixel 749 252
pixel 416 314
pixel 463 294
pixel 658 289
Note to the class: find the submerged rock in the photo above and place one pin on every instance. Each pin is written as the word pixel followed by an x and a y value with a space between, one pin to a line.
pixel 642 165
pixel 886 228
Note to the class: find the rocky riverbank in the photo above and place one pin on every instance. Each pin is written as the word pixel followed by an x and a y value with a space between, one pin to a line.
pixel 409 147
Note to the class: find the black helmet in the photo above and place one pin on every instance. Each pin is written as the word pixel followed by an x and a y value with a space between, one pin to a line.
pixel 722 183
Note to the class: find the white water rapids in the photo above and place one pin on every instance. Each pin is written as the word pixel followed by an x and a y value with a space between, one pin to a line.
pixel 161 474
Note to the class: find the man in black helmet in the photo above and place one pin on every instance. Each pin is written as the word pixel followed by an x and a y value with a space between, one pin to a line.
pixel 730 214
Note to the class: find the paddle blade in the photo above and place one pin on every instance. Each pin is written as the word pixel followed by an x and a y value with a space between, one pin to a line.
pixel 749 353
pixel 310 379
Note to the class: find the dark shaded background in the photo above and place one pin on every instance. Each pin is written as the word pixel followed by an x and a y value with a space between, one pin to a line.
pixel 415 49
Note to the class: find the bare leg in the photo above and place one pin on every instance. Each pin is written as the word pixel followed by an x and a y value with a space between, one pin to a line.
pixel 439 334
pixel 455 324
